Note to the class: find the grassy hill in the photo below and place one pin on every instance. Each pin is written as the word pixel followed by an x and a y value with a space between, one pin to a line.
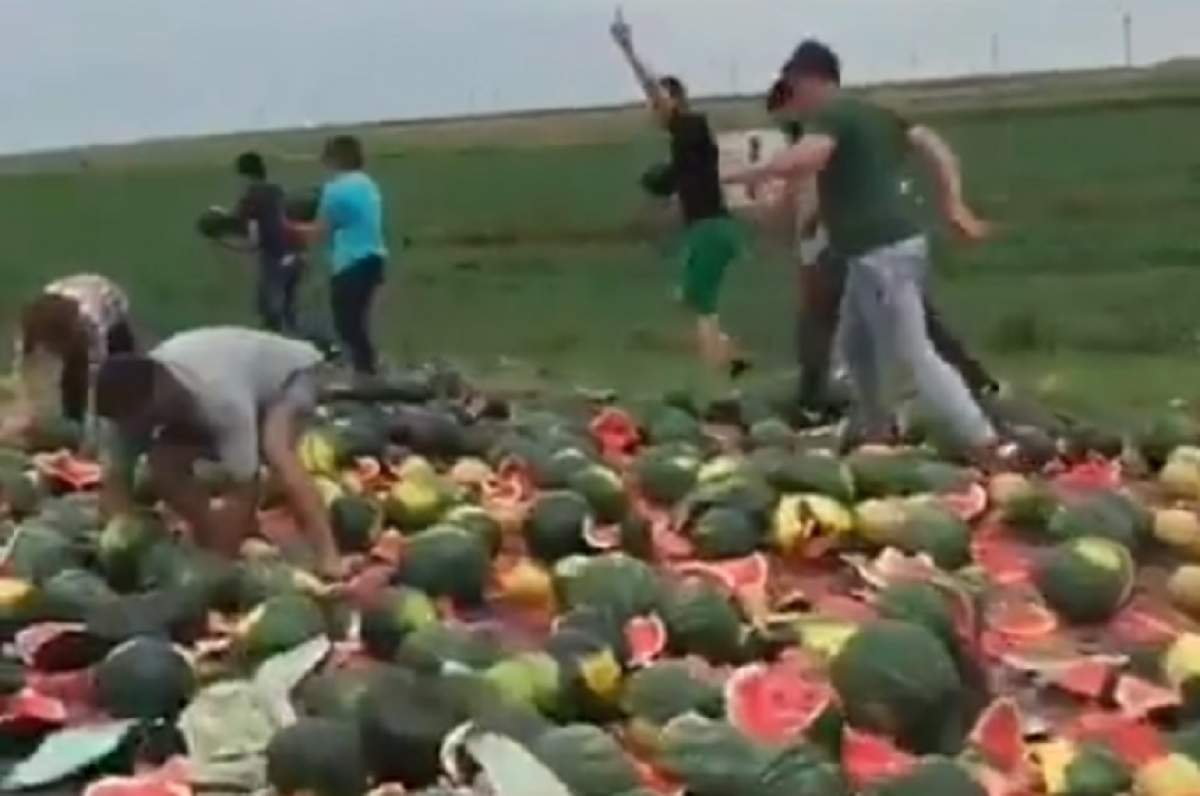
pixel 529 258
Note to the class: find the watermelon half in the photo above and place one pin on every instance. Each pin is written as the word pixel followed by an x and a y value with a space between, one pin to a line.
pixel 744 578
pixel 999 737
pixel 968 503
pixel 1137 698
pixel 870 759
pixel 646 637
pixel 775 704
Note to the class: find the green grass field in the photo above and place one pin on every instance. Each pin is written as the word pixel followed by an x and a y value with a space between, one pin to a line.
pixel 1088 290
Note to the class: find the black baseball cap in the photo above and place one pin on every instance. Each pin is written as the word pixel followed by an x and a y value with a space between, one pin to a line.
pixel 814 59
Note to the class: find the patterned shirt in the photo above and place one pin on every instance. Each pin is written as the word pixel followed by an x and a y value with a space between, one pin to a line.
pixel 102 306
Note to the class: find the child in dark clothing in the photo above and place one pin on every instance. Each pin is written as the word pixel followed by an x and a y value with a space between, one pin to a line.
pixel 280 257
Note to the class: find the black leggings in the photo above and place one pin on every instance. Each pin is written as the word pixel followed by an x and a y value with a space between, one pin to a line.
pixel 351 292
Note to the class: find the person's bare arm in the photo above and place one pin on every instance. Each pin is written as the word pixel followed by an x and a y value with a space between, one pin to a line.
pixel 806 204
pixel 623 35
pixel 279 432
pixel 313 233
pixel 803 159
pixel 944 165
pixel 118 458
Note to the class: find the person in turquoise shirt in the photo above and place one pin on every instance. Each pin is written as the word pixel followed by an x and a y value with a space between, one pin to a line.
pixel 350 220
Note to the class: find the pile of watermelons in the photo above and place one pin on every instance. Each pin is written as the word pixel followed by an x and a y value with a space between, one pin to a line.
pixel 639 598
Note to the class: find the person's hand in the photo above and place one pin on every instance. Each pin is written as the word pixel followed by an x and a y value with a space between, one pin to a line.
pixel 747 177
pixel 621 32
pixel 966 224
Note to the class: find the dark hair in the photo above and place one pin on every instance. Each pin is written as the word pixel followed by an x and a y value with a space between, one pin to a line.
pixel 814 59
pixel 778 95
pixel 251 164
pixel 54 323
pixel 124 384
pixel 344 152
pixel 674 88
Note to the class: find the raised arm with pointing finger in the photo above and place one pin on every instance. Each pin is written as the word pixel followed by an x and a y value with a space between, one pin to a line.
pixel 656 98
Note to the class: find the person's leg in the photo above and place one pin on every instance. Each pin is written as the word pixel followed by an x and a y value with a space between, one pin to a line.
pixel 860 349
pixel 370 355
pixel 351 293
pixel 952 350
pixel 173 478
pixel 711 246
pixel 267 294
pixel 822 285
pixel 293 273
pixel 901 270
pixel 343 293
pixel 282 425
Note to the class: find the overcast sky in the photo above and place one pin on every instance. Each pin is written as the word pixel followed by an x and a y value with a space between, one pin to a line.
pixel 89 71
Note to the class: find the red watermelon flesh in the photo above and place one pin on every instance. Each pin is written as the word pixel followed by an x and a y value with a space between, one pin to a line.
pixel 668 543
pixel 29 713
pixel 998 735
pixel 869 759
pixel 512 484
pixel 892 566
pixel 1141 623
pixel 170 780
pixel 1021 620
pixel 1006 561
pixel 1089 476
pixel 616 433
pixel 1087 678
pixel 647 638
pixel 745 578
pixel 775 704
pixel 1133 741
pixel 969 503
pixel 653 778
pixel 75 690
pixel 69 470
pixel 1137 698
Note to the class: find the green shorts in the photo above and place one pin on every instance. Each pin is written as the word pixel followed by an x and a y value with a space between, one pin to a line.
pixel 709 246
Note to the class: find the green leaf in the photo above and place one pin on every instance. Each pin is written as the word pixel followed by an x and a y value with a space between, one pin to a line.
pixel 67 751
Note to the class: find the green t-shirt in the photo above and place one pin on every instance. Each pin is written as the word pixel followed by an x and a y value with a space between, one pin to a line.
pixel 861 201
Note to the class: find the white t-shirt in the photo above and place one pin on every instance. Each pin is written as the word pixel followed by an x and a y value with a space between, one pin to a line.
pixel 234 374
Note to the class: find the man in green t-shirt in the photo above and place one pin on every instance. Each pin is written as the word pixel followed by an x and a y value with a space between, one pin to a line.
pixel 858 150
pixel 711 238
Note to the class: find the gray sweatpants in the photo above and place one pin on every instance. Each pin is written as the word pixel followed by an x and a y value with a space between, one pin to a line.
pixel 883 330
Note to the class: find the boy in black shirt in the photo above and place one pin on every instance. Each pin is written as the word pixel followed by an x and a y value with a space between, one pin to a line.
pixel 280 261
pixel 711 239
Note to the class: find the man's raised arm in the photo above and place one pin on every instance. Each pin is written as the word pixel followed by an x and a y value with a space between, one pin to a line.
pixel 623 35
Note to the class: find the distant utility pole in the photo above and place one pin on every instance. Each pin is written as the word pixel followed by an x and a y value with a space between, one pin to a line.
pixel 1127 30
pixel 995 52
